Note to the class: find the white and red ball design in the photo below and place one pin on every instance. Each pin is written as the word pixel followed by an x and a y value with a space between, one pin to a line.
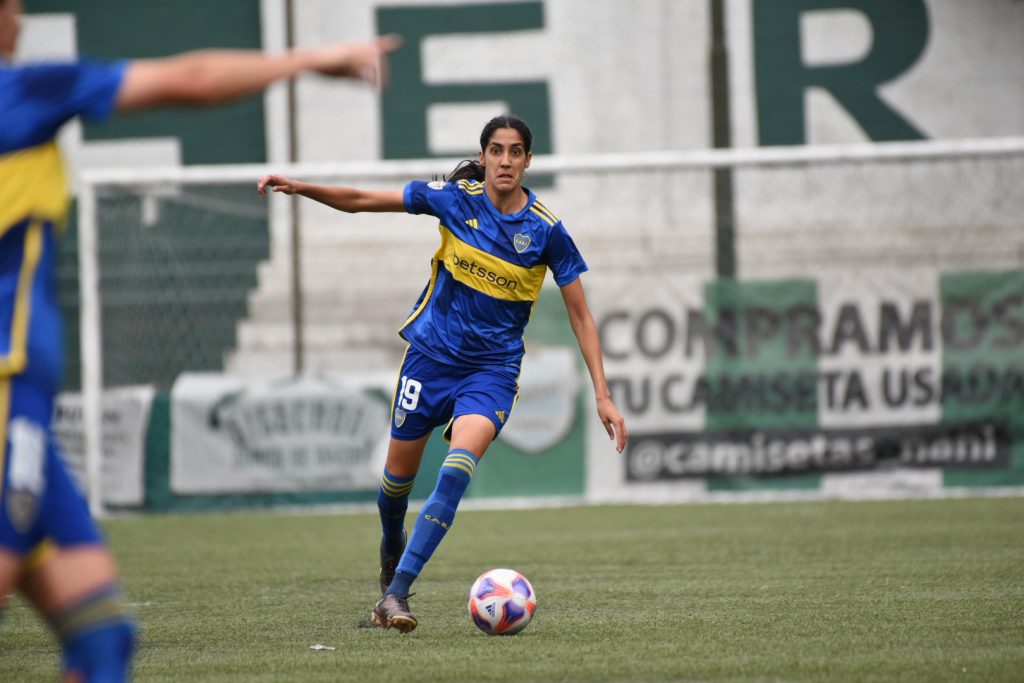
pixel 502 602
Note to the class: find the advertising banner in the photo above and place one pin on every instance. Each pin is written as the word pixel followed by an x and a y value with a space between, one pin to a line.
pixel 868 383
pixel 126 413
pixel 230 435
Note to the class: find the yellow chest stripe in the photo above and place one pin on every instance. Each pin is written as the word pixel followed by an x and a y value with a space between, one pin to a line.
pixel 487 273
pixel 32 184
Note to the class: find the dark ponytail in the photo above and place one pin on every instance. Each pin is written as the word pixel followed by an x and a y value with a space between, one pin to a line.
pixel 470 169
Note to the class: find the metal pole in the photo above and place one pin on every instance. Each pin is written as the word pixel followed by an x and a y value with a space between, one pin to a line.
pixel 298 357
pixel 725 237
pixel 92 346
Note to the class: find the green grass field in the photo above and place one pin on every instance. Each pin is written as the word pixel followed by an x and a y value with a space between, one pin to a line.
pixel 831 591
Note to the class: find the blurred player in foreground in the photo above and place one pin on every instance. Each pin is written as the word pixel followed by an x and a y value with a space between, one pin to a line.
pixel 49 546
pixel 465 335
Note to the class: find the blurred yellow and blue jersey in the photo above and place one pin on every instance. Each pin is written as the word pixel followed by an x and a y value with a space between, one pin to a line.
pixel 486 275
pixel 35 101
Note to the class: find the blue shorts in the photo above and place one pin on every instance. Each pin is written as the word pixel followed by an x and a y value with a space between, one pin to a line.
pixel 430 394
pixel 38 499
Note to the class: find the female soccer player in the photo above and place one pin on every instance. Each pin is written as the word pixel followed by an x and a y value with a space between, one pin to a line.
pixel 465 334
pixel 49 547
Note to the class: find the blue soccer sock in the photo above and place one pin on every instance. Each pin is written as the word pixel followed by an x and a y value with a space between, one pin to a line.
pixel 435 518
pixel 392 502
pixel 98 637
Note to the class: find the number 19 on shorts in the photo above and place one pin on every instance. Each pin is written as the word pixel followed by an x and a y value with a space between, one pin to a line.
pixel 409 394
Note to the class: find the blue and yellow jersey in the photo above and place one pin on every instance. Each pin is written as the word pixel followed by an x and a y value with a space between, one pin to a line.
pixel 486 275
pixel 35 101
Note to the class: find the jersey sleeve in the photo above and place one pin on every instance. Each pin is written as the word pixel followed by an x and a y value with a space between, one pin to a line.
pixel 431 198
pixel 93 92
pixel 563 258
pixel 42 97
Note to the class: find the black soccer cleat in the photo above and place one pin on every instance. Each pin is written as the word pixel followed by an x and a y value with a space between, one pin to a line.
pixel 392 611
pixel 389 563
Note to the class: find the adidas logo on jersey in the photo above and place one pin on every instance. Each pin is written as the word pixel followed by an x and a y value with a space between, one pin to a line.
pixel 473 223
pixel 501 415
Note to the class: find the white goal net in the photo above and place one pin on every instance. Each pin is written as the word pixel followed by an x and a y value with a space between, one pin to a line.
pixel 187 269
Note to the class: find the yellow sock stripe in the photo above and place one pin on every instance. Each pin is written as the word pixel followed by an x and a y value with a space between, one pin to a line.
pixel 392 485
pixel 392 492
pixel 94 612
pixel 462 461
pixel 393 489
pixel 459 454
pixel 459 466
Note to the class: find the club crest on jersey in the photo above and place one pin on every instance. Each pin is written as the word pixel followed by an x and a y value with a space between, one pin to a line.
pixel 521 242
pixel 399 417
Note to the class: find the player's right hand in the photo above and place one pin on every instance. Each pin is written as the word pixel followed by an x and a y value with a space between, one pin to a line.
pixel 365 61
pixel 275 183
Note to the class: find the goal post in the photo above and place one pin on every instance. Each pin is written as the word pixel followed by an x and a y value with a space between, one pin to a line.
pixel 853 205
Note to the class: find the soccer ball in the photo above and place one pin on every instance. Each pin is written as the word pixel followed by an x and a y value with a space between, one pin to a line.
pixel 501 602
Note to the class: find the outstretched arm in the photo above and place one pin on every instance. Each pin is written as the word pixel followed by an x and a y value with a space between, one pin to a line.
pixel 347 199
pixel 218 76
pixel 585 329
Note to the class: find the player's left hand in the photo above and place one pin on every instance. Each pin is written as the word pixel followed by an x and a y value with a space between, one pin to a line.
pixel 613 422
